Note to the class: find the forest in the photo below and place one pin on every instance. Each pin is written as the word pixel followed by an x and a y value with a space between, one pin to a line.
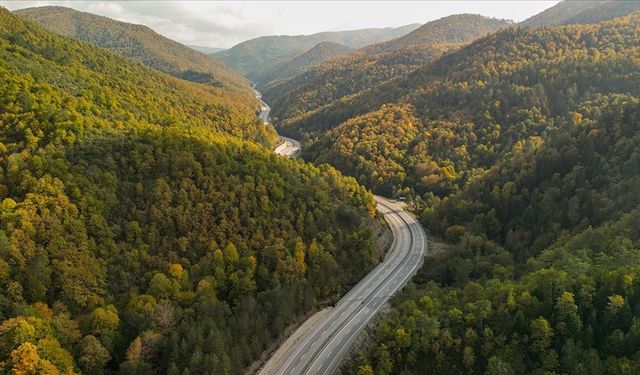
pixel 143 229
pixel 141 44
pixel 372 65
pixel 146 226
pixel 521 152
pixel 543 274
pixel 470 108
pixel 259 56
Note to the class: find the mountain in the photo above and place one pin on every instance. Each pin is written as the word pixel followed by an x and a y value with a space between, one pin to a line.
pixel 296 122
pixel 441 95
pixel 370 66
pixel 142 230
pixel 137 42
pixel 457 28
pixel 254 56
pixel 207 50
pixel 520 151
pixel 580 12
pixel 321 52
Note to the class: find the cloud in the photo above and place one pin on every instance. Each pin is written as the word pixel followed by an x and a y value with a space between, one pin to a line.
pixel 226 23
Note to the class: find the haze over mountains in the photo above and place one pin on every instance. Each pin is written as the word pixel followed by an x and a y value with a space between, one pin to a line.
pixel 458 28
pixel 372 65
pixel 253 57
pixel 207 50
pixel 137 42
pixel 581 12
pixel 321 52
pixel 147 227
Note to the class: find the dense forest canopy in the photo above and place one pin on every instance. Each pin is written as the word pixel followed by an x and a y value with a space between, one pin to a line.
pixel 319 53
pixel 543 277
pixel 145 227
pixel 255 56
pixel 521 151
pixel 139 43
pixel 124 90
pixel 139 233
pixel 470 107
pixel 580 12
pixel 321 88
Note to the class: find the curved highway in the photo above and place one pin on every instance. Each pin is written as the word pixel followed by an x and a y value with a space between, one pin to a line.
pixel 265 110
pixel 289 147
pixel 321 347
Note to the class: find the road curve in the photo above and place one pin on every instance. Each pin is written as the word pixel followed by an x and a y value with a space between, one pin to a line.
pixel 289 147
pixel 265 111
pixel 322 346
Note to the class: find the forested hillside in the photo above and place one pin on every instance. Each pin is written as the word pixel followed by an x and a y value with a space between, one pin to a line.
pixel 371 66
pixel 457 28
pixel 137 235
pixel 581 12
pixel 255 56
pixel 321 52
pixel 522 150
pixel 470 107
pixel 139 43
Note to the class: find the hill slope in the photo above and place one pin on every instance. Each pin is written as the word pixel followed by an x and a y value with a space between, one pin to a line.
pixel 138 234
pixel 321 52
pixel 523 151
pixel 370 66
pixel 256 55
pixel 579 12
pixel 136 42
pixel 443 95
pixel 457 28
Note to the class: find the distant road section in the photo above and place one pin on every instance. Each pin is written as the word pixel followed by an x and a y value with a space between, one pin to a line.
pixel 265 110
pixel 319 347
pixel 289 147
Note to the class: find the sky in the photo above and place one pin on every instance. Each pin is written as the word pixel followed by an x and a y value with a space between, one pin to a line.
pixel 225 23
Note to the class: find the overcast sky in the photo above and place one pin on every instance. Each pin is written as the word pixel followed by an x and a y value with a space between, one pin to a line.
pixel 226 23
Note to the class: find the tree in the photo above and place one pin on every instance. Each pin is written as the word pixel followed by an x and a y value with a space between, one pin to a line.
pixel 496 366
pixel 160 286
pixel 92 357
pixel 299 255
pixel 25 360
pixel 103 320
pixel 568 322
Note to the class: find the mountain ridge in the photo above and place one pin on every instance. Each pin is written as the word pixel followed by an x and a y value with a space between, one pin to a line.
pixel 253 56
pixel 137 42
pixel 579 12
pixel 319 53
pixel 370 66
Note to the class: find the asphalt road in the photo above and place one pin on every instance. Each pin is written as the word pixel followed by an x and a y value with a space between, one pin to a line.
pixel 265 110
pixel 289 147
pixel 324 344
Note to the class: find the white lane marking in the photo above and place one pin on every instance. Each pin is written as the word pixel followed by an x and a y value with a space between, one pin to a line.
pixel 398 251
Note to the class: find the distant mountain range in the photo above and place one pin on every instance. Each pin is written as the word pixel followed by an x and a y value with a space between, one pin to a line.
pixel 207 50
pixel 254 56
pixel 580 12
pixel 321 52
pixel 333 80
pixel 137 42
pixel 458 28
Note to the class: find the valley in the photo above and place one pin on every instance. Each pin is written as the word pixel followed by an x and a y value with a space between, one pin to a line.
pixel 171 207
pixel 319 348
